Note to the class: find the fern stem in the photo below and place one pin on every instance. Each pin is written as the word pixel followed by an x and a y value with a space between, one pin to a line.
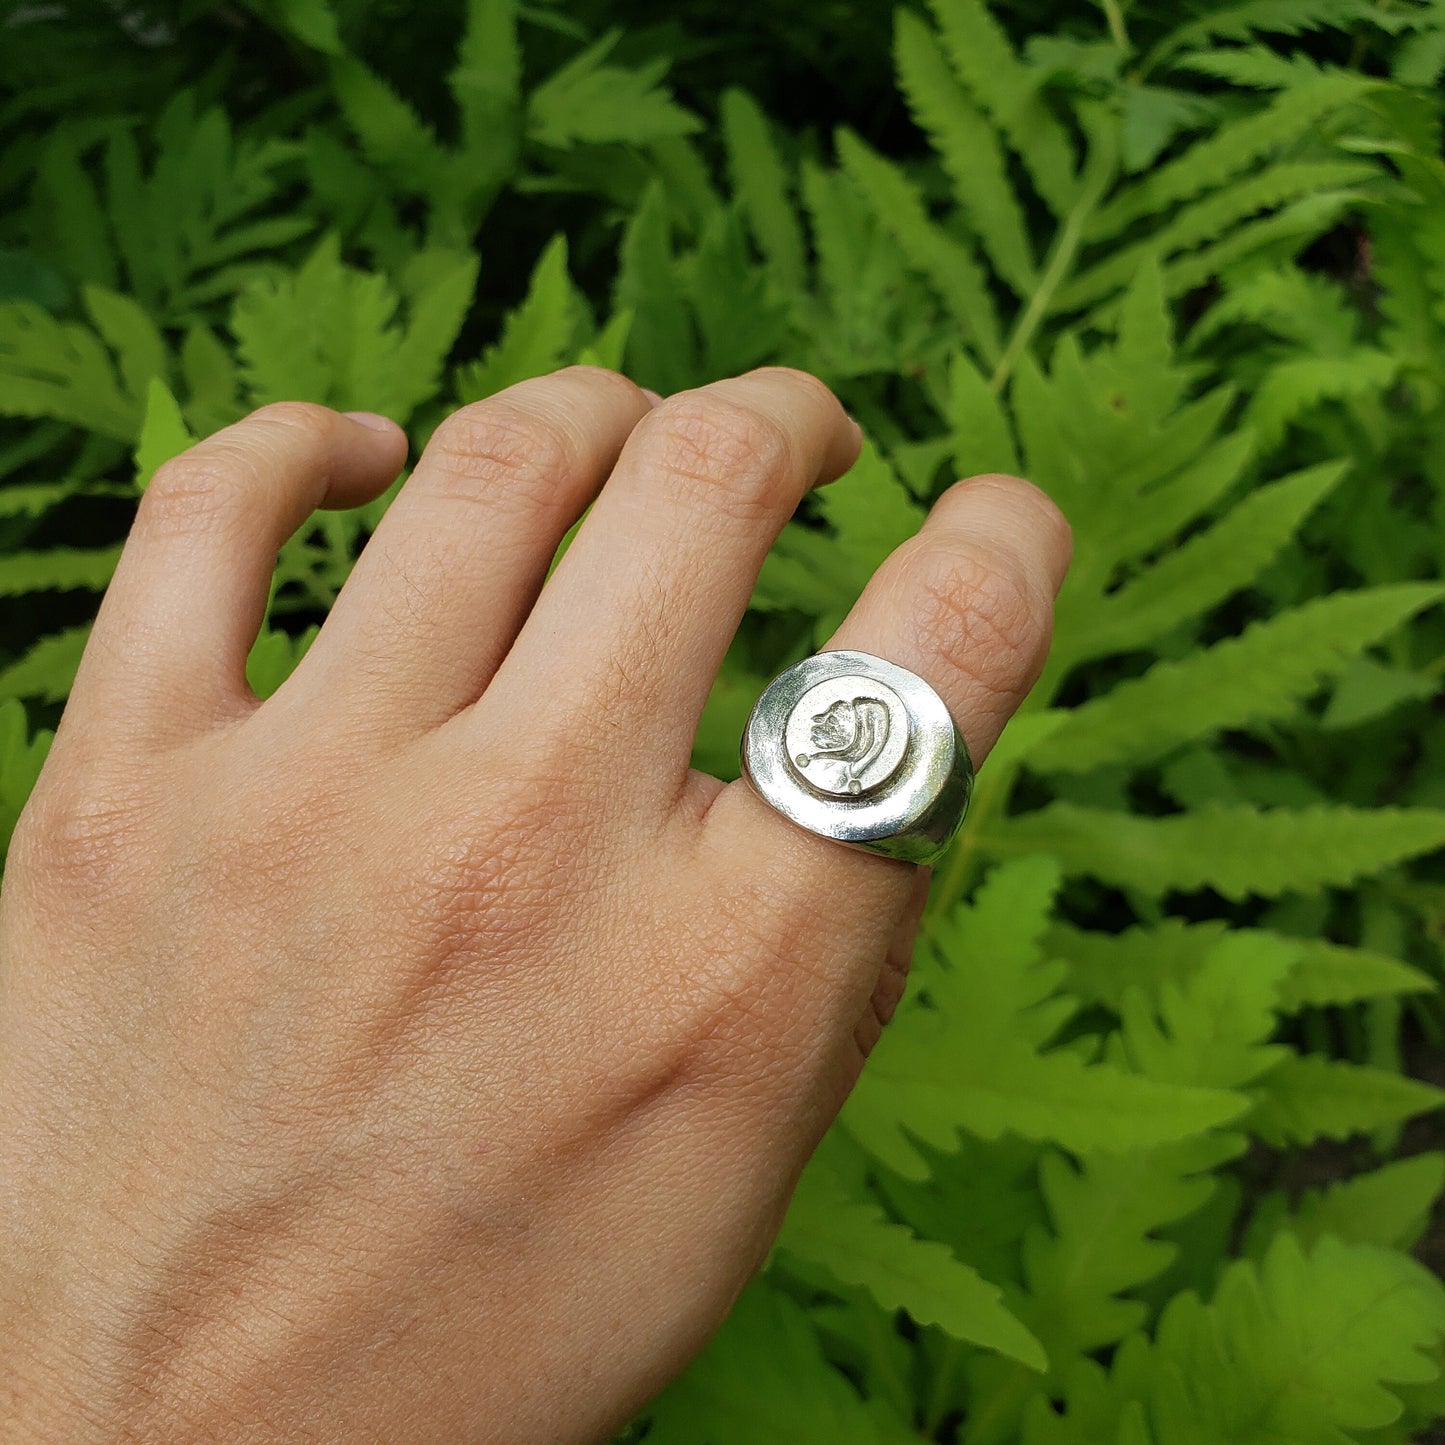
pixel 1115 16
pixel 1098 172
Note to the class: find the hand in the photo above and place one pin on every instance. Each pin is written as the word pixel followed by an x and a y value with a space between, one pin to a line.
pixel 425 1053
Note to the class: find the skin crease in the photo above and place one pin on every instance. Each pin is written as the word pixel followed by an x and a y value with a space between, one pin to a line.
pixel 426 1053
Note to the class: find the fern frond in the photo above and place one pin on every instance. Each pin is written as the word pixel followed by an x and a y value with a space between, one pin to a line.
pixel 851 1237
pixel 1008 92
pixel 1103 967
pixel 1260 676
pixel 1292 387
pixel 61 569
pixel 1231 149
pixel 21 758
pixel 1208 219
pixel 974 1057
pixel 763 1380
pixel 1204 570
pixel 1306 1097
pixel 1255 17
pixel 589 102
pixel 61 369
pixel 1302 1347
pixel 949 266
pixel 536 337
pixel 763 188
pixel 1389 1207
pixel 968 146
pixel 486 81
pixel 1237 850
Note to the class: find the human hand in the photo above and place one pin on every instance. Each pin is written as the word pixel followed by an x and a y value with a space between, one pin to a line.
pixel 426 1053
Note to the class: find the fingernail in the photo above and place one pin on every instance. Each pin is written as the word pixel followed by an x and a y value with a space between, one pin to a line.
pixel 372 420
pixel 653 396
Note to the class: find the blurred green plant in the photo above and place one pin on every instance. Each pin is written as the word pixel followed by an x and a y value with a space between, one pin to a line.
pixel 1184 268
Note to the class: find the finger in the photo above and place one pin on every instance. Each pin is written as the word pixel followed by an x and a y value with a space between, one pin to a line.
pixel 168 649
pixel 633 625
pixel 442 587
pixel 967 604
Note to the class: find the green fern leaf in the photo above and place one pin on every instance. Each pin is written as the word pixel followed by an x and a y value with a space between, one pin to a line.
pixel 212 382
pixel 62 569
pixel 764 1381
pixel 47 670
pixel 61 369
pixel 968 146
pixel 331 334
pixel 1253 17
pixel 313 22
pixel 854 1240
pixel 588 102
pixel 1292 387
pixel 132 335
pixel 1260 676
pixel 1105 1211
pixel 948 264
pixel 390 133
pixel 1209 218
pixel 21 758
pixel 536 338
pixel 763 188
pixel 1167 506
pixel 1298 1350
pixel 981 436
pixel 1230 150
pixel 1008 91
pixel 661 345
pixel 1308 1097
pixel 1389 1207
pixel 486 81
pixel 1103 967
pixel 163 433
pixel 1330 974
pixel 974 1057
pixel 273 658
pixel 869 513
pixel 1238 850
pixel 1204 570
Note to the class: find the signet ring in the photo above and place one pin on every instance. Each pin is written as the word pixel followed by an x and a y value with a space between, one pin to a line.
pixel 860 750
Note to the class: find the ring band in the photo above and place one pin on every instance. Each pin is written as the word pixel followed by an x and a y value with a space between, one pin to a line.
pixel 862 751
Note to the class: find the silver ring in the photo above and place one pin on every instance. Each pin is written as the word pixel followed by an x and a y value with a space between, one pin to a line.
pixel 862 751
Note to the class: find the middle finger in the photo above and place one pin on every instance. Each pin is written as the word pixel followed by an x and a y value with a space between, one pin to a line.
pixel 631 629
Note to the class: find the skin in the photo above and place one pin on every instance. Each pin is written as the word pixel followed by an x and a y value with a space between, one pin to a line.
pixel 426 1053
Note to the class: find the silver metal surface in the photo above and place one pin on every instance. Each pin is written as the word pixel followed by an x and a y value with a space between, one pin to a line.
pixel 862 751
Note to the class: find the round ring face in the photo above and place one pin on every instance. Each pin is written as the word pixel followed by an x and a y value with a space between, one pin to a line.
pixel 847 735
pixel 855 748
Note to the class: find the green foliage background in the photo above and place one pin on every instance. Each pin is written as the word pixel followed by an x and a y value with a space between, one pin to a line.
pixel 1142 1159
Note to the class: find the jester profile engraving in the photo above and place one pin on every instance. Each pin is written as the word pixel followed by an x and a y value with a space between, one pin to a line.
pixel 850 734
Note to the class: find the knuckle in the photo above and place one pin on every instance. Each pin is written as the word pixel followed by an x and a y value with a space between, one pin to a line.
pixel 313 421
pixel 78 833
pixel 802 380
pixel 195 492
pixel 717 453
pixel 603 377
pixel 978 613
pixel 1031 499
pixel 515 453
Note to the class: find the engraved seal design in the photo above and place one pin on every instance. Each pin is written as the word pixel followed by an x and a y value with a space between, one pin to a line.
pixel 847 736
